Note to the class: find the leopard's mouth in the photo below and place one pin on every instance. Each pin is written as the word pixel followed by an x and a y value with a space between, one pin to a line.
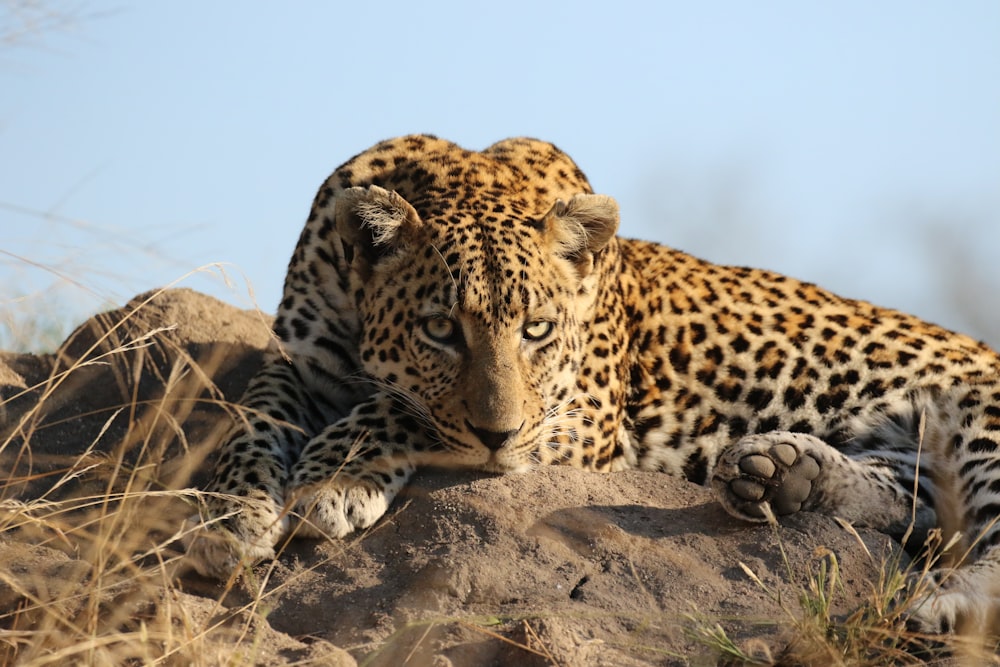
pixel 461 446
pixel 497 464
pixel 516 455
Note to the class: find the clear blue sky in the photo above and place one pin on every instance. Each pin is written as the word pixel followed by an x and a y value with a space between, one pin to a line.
pixel 855 144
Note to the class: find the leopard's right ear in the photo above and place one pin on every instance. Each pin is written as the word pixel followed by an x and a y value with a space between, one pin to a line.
pixel 372 222
pixel 582 227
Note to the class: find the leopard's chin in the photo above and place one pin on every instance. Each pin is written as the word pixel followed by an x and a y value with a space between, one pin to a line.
pixel 503 462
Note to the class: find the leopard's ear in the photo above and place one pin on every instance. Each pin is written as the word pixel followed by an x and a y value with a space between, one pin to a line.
pixel 582 227
pixel 372 222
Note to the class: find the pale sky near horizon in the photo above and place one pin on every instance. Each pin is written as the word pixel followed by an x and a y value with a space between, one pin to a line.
pixel 854 144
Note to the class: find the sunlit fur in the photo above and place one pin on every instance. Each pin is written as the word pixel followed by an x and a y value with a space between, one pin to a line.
pixel 414 330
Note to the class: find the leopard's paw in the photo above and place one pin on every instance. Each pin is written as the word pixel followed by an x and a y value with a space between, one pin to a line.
pixel 952 600
pixel 767 474
pixel 332 510
pixel 239 532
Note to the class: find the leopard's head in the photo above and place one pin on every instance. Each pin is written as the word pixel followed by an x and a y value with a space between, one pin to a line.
pixel 472 317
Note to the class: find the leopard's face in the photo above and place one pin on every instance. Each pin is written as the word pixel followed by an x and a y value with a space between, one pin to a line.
pixel 474 327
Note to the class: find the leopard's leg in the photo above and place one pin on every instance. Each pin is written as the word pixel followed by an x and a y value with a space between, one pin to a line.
pixel 349 474
pixel 783 472
pixel 308 381
pixel 964 594
pixel 241 516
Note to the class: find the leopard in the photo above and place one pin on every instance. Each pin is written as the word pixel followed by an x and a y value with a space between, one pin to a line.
pixel 478 309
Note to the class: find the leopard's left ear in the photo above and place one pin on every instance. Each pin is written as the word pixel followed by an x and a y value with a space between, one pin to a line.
pixel 582 228
pixel 373 222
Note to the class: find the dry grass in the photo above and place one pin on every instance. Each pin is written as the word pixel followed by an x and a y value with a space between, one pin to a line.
pixel 89 573
pixel 875 634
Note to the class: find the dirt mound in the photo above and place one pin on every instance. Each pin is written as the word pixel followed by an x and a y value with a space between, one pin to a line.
pixel 146 381
pixel 556 566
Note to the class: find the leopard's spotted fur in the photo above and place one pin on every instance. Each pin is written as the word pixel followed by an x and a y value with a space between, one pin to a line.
pixel 476 309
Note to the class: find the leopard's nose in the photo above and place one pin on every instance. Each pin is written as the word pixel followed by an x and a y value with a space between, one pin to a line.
pixel 493 440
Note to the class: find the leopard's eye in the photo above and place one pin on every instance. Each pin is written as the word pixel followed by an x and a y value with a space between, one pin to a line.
pixel 537 330
pixel 440 329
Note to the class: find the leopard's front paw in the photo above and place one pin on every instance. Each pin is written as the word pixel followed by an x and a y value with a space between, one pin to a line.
pixel 769 471
pixel 332 510
pixel 230 534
